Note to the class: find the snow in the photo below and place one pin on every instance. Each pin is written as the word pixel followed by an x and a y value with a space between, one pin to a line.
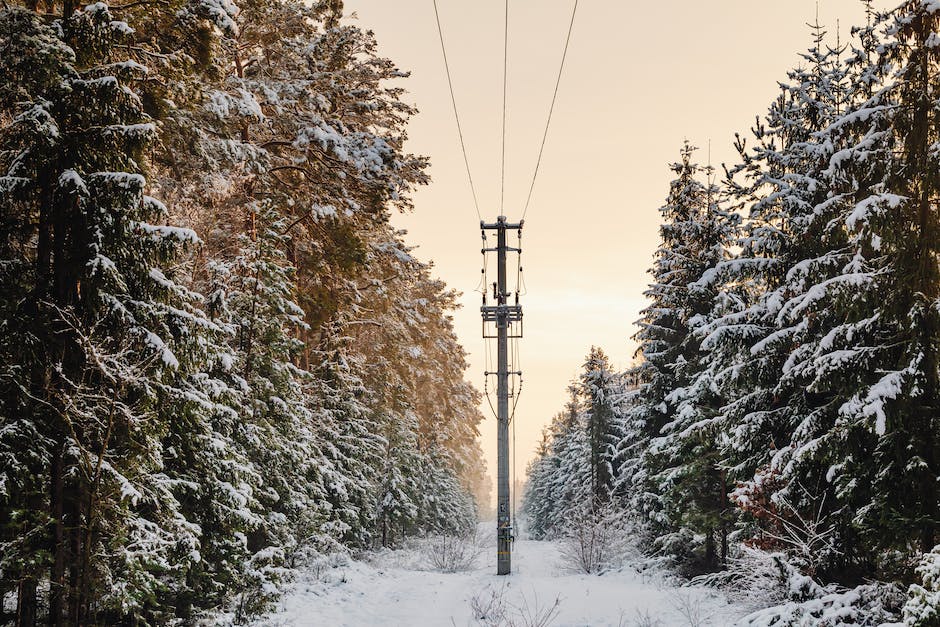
pixel 815 293
pixel 888 388
pixel 142 130
pixel 389 589
pixel 71 179
pixel 124 180
pixel 860 606
pixel 166 355
pixel 241 104
pixel 129 66
pixel 366 152
pixel 163 231
pixel 872 206
pixel 222 13
pixel 924 600
pixel 97 7
pixel 121 28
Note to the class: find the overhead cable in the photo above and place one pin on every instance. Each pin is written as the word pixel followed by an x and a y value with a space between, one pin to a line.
pixel 551 109
pixel 453 100
pixel 502 174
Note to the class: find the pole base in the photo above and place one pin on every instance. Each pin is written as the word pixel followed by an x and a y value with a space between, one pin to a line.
pixel 504 549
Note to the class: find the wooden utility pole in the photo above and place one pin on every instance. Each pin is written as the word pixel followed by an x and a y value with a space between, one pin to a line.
pixel 503 314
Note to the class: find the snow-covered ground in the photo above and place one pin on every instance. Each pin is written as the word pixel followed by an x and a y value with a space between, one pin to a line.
pixel 391 589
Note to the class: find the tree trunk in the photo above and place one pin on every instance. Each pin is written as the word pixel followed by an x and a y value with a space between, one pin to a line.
pixel 928 284
pixel 722 507
pixel 710 561
pixel 77 564
pixel 929 496
pixel 88 536
pixel 57 570
pixel 26 602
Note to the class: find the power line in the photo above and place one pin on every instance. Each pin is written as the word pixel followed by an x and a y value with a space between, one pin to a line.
pixel 502 174
pixel 453 100
pixel 548 122
pixel 488 355
pixel 516 393
pixel 514 496
pixel 481 286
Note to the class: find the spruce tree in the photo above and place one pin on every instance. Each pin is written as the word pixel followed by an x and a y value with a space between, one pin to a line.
pixel 536 502
pixel 562 482
pixel 881 360
pixel 676 483
pixel 116 330
pixel 601 393
pixel 922 608
pixel 774 416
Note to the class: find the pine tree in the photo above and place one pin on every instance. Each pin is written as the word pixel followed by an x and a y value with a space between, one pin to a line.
pixel 350 445
pixel 269 430
pixel 570 486
pixel 398 497
pixel 923 604
pixel 881 360
pixel 774 416
pixel 571 480
pixel 536 502
pixel 166 456
pixel 677 483
pixel 694 482
pixel 562 481
pixel 116 329
pixel 601 393
pixel 35 65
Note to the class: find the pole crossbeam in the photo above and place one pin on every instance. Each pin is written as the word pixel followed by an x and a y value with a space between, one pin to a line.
pixel 503 314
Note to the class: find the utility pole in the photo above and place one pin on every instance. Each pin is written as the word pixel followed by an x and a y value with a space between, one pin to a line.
pixel 503 314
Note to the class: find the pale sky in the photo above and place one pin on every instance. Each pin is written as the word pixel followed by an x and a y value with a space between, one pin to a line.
pixel 639 79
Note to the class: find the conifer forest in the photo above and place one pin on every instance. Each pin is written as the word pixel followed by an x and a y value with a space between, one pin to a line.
pixel 218 358
pixel 224 371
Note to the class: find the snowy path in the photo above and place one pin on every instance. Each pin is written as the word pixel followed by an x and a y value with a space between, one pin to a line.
pixel 389 591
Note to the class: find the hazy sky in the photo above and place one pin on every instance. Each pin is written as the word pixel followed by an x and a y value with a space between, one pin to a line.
pixel 640 77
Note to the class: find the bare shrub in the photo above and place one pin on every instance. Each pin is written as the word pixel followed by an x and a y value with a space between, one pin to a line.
pixel 596 540
pixel 691 607
pixel 454 553
pixel 644 619
pixel 319 565
pixel 806 534
pixel 756 579
pixel 535 614
pixel 490 608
